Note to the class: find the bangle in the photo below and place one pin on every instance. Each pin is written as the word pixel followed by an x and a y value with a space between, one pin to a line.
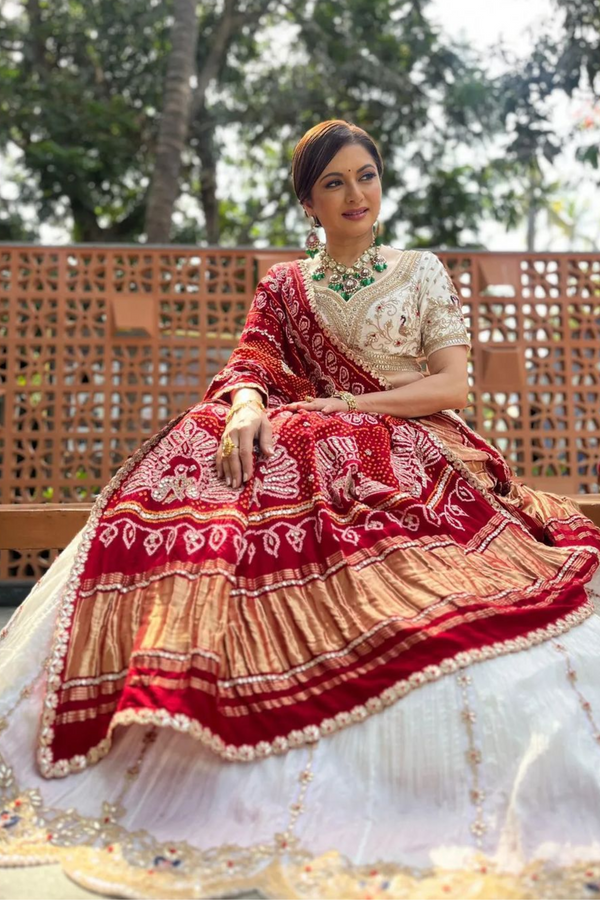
pixel 234 409
pixel 349 398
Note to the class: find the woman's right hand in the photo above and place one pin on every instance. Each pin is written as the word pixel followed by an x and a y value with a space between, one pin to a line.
pixel 247 425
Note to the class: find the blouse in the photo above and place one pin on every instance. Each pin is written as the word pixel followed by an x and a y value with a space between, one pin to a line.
pixel 409 313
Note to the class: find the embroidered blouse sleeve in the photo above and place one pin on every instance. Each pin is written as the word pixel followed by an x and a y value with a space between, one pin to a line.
pixel 440 313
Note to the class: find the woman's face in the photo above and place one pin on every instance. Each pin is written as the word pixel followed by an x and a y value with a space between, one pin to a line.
pixel 346 197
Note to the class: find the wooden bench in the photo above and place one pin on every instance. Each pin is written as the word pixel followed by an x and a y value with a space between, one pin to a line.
pixel 46 526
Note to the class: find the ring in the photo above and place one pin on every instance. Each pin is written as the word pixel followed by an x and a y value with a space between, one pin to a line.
pixel 228 446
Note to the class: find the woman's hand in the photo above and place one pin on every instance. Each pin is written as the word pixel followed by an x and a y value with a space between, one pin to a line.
pixel 335 404
pixel 247 425
pixel 321 404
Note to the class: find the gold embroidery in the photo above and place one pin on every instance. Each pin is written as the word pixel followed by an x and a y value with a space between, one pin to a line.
pixel 333 337
pixel 103 848
pixel 442 322
pixel 389 324
pixel 330 876
pixel 474 759
pixel 585 704
pixel 344 321
pixel 139 866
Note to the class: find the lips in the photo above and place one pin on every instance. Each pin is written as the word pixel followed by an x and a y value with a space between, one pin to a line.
pixel 356 213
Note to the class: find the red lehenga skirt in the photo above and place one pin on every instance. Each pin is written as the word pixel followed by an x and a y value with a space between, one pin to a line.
pixel 372 670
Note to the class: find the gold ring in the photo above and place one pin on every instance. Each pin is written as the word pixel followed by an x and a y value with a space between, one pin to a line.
pixel 228 446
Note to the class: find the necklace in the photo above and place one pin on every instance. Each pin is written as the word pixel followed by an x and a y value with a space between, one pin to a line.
pixel 347 280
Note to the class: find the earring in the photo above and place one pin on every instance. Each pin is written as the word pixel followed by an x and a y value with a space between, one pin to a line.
pixel 376 229
pixel 313 243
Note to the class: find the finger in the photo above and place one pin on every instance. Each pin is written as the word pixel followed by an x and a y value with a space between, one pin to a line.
pixel 245 455
pixel 226 460
pixel 226 470
pixel 219 463
pixel 230 464
pixel 309 407
pixel 266 437
pixel 235 468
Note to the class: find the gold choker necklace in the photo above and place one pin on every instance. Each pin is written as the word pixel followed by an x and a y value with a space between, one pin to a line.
pixel 347 280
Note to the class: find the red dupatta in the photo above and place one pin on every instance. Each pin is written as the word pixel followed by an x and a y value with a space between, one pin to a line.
pixel 361 561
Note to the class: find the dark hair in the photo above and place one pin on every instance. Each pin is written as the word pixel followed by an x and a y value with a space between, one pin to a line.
pixel 319 145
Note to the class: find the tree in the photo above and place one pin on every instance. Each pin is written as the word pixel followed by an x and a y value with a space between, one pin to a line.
pixel 173 127
pixel 80 83
pixel 381 64
pixel 561 61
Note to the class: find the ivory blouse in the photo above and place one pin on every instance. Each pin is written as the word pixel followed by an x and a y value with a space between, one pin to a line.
pixel 409 313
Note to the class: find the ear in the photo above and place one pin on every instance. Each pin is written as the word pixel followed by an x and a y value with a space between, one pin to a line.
pixel 308 210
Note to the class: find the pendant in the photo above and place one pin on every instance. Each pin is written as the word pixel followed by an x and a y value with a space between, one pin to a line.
pixel 347 280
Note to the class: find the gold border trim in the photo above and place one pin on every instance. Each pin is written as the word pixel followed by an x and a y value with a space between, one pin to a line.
pixel 311 733
pixel 335 340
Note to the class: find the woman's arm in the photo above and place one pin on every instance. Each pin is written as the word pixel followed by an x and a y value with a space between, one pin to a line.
pixel 243 395
pixel 446 387
pixel 246 425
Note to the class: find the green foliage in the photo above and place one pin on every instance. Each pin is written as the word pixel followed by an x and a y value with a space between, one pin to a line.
pixel 79 86
pixel 81 83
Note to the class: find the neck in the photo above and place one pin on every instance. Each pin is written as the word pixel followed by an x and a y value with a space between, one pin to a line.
pixel 347 250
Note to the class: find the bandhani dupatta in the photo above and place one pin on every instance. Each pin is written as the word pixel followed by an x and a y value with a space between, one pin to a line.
pixel 285 352
pixel 360 561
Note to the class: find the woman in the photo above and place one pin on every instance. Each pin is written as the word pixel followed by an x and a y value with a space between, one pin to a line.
pixel 315 638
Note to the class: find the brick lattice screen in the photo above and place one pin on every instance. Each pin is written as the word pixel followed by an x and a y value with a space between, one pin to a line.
pixel 100 346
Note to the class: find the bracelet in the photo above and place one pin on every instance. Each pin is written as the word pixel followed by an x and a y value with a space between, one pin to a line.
pixel 349 398
pixel 234 409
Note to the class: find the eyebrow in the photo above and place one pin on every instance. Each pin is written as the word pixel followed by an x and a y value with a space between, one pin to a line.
pixel 329 174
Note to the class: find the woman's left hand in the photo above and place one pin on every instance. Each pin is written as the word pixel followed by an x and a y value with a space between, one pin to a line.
pixel 321 404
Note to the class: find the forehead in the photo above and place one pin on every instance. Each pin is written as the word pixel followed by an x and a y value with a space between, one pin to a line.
pixel 350 157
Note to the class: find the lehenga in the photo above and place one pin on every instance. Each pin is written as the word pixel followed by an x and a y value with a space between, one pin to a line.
pixel 371 671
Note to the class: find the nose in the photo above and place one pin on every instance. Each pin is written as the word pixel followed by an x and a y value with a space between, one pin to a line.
pixel 353 192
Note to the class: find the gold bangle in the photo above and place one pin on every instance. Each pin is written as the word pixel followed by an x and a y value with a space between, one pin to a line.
pixel 238 406
pixel 349 398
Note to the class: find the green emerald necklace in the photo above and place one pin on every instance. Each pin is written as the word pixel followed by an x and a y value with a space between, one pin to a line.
pixel 347 280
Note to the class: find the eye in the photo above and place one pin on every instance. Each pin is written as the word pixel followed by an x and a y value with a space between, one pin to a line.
pixel 368 175
pixel 333 183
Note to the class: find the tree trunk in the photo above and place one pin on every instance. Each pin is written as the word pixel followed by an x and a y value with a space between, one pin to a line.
pixel 533 208
pixel 205 148
pixel 532 213
pixel 174 120
pixel 200 119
